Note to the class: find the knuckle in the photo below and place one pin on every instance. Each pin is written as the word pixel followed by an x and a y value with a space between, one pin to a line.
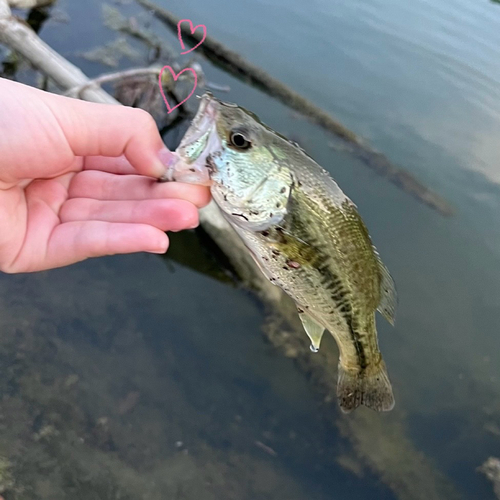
pixel 144 119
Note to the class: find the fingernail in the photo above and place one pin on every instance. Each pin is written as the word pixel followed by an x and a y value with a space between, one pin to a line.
pixel 161 246
pixel 160 249
pixel 166 156
pixel 167 160
pixel 160 252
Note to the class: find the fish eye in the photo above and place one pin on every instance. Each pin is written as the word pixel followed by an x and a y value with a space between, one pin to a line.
pixel 239 141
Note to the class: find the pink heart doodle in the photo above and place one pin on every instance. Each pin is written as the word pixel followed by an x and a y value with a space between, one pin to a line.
pixel 179 34
pixel 174 76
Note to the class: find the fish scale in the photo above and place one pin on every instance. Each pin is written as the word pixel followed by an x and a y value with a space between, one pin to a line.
pixel 304 233
pixel 318 289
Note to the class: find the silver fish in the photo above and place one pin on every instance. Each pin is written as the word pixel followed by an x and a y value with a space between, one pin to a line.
pixel 304 233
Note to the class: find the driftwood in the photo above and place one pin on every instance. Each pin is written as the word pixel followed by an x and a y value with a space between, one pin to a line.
pixel 239 67
pixel 380 442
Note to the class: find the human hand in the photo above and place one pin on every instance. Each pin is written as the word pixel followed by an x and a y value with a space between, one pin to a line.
pixel 78 180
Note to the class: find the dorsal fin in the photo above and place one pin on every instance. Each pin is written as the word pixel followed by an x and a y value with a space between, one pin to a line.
pixel 388 296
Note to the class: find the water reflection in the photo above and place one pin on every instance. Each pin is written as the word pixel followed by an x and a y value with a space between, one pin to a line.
pixel 136 377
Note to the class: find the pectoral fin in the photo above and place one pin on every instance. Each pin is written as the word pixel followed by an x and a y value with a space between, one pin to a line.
pixel 314 330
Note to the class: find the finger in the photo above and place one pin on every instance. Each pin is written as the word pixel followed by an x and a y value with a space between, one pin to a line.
pixel 119 165
pixel 105 186
pixel 75 241
pixel 48 243
pixel 93 129
pixel 167 215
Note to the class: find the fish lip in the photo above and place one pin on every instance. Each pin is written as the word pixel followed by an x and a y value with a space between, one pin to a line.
pixel 194 170
pixel 204 120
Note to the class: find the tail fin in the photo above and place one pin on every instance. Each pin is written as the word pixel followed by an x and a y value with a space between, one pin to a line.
pixel 370 388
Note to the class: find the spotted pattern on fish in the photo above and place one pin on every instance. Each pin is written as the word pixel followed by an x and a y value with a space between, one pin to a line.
pixel 306 236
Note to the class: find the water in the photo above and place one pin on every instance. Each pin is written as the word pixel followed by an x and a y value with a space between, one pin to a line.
pixel 106 365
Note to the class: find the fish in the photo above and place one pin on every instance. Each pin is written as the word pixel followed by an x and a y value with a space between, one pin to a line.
pixel 305 235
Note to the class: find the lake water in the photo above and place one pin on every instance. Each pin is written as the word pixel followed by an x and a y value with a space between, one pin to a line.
pixel 136 377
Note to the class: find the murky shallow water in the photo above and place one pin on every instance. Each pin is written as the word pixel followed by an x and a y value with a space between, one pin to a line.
pixel 138 377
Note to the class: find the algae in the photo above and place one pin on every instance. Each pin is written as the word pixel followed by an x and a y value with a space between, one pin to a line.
pixel 6 481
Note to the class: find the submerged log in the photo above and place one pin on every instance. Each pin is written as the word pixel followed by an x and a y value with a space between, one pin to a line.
pixel 242 69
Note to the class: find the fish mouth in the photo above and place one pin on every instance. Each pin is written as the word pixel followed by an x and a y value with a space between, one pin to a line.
pixel 203 122
pixel 200 140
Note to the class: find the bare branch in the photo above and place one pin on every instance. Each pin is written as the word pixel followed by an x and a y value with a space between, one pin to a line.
pixel 217 87
pixel 111 77
pixel 29 4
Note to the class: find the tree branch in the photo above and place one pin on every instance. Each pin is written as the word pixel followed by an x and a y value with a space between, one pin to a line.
pixel 29 4
pixel 110 77
pixel 24 40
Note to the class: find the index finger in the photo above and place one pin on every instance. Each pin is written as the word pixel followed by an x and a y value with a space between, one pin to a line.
pixel 93 129
pixel 118 165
